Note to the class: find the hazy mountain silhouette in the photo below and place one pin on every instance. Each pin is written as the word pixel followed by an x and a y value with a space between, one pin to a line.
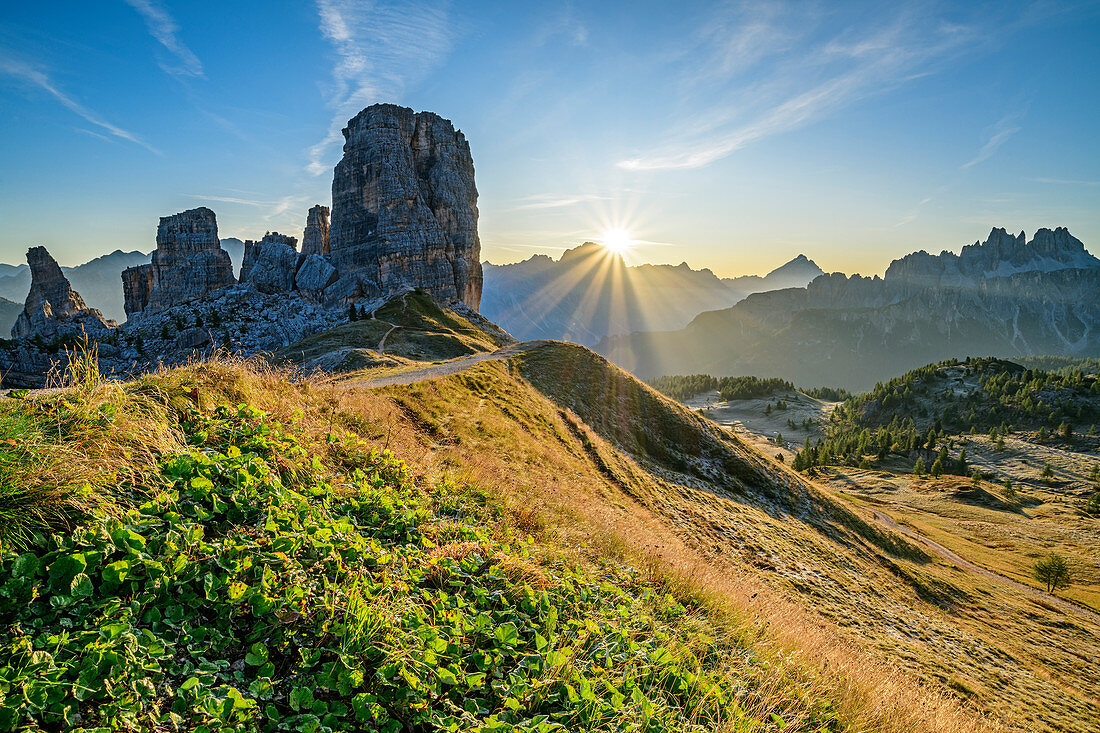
pixel 590 293
pixel 1004 297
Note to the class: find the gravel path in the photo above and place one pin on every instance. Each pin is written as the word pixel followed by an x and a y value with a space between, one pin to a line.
pixel 447 368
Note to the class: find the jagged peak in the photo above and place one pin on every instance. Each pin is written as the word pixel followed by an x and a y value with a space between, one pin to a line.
pixel 1001 254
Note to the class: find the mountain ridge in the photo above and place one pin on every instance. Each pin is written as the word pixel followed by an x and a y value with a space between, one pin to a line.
pixel 864 329
pixel 590 293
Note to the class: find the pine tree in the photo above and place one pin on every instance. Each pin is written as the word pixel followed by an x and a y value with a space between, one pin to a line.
pixel 353 314
pixel 918 467
pixel 1053 572
pixel 937 468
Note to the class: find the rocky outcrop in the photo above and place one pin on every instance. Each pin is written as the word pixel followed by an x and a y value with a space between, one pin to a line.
pixel 270 265
pixel 404 206
pixel 315 239
pixel 314 275
pixel 188 264
pixel 52 306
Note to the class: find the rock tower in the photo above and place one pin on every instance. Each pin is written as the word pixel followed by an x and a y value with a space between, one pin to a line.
pixel 404 206
pixel 315 239
pixel 52 306
pixel 188 264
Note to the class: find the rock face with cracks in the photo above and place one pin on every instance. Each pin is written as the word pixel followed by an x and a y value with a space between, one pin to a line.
pixel 270 265
pixel 188 264
pixel 404 207
pixel 315 238
pixel 52 306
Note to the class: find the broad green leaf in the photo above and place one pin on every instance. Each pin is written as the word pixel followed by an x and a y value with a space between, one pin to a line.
pixel 81 586
pixel 507 634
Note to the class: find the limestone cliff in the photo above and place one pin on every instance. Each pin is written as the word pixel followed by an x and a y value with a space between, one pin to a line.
pixel 52 306
pixel 1001 255
pixel 404 207
pixel 188 264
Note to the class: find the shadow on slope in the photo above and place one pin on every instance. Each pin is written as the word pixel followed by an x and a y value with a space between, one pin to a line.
pixel 662 433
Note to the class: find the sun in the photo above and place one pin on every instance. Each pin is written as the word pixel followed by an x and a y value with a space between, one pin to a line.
pixel 617 240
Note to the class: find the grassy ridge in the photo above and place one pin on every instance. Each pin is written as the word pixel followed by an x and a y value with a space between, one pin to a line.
pixel 647 425
pixel 415 327
pixel 261 573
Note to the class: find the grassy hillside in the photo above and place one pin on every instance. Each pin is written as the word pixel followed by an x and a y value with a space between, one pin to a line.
pixel 256 566
pixel 549 486
pixel 220 546
pixel 409 327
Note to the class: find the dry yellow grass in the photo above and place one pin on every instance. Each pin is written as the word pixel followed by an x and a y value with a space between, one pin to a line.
pixel 560 481
pixel 490 428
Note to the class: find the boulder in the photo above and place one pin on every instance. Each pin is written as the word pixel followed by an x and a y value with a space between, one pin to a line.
pixel 314 275
pixel 193 338
pixel 347 289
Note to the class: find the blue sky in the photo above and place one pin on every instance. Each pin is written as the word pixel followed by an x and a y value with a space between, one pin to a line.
pixel 728 135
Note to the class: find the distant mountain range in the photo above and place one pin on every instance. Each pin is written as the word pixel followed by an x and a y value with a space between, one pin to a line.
pixel 590 293
pixel 1004 297
pixel 98 281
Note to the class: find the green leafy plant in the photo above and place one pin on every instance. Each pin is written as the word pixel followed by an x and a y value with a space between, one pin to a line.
pixel 255 584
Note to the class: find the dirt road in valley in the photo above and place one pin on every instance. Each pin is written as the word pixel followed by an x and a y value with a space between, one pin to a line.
pixel 970 567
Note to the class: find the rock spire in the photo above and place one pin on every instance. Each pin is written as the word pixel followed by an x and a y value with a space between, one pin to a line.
pixel 52 306
pixel 315 239
pixel 404 206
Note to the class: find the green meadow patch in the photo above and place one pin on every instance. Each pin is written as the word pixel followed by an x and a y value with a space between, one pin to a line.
pixel 260 584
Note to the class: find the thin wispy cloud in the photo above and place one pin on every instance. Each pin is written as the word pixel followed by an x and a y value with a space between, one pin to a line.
pixel 230 200
pixel 40 79
pixel 996 136
pixel 381 48
pixel 913 213
pixel 557 201
pixel 801 74
pixel 163 28
pixel 1067 181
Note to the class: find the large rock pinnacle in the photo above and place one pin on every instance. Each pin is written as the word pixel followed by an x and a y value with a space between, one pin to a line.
pixel 188 264
pixel 52 306
pixel 404 206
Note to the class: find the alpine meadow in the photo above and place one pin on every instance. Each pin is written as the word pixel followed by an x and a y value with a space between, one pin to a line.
pixel 749 382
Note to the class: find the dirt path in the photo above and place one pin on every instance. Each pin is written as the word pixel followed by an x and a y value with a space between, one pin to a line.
pixel 968 566
pixel 374 317
pixel 447 368
pixel 382 342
